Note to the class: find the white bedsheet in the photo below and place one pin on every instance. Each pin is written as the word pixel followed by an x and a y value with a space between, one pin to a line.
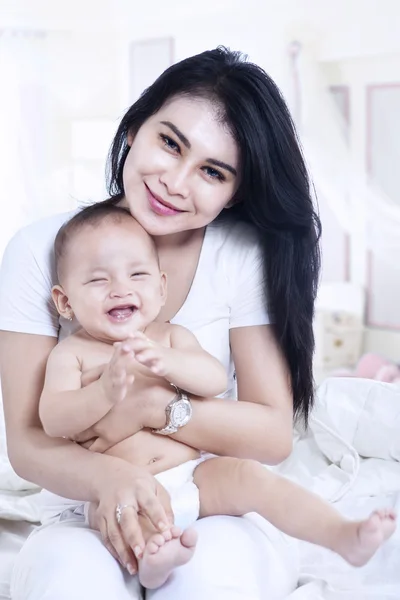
pixel 12 536
pixel 350 456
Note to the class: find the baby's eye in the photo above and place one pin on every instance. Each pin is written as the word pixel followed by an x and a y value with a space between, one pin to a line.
pixel 98 280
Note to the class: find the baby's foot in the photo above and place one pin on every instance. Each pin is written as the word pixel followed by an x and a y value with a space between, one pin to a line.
pixel 361 539
pixel 163 553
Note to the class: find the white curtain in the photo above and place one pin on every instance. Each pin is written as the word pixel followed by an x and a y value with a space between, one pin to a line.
pixel 367 211
pixel 359 203
pixel 23 129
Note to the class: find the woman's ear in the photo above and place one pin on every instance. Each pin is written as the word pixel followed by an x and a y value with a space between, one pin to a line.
pixel 60 299
pixel 129 138
pixel 232 202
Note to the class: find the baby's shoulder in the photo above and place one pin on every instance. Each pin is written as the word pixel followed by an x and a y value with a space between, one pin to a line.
pixel 73 344
pixel 160 332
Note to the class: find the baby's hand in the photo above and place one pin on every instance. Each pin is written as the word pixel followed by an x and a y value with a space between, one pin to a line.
pixel 148 353
pixel 117 376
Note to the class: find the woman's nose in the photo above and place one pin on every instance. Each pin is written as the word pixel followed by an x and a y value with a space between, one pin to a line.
pixel 176 181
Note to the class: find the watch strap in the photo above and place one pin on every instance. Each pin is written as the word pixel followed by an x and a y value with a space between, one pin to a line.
pixel 169 427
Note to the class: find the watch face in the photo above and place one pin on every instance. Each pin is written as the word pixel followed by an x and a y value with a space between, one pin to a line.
pixel 181 412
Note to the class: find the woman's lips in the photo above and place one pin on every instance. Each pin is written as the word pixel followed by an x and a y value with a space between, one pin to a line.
pixel 159 206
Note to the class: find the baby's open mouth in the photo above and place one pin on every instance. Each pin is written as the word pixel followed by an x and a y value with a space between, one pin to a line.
pixel 121 313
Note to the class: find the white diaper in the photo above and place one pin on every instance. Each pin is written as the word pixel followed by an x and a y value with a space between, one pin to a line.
pixel 185 499
pixel 178 482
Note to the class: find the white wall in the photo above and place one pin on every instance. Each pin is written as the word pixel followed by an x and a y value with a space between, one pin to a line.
pixel 90 40
pixel 262 28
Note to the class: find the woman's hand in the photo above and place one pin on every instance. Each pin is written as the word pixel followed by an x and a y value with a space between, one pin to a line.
pixel 144 406
pixel 139 493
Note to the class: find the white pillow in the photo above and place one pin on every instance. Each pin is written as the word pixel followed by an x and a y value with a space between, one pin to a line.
pixel 364 412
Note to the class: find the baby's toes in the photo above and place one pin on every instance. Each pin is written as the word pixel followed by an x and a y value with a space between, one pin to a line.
pixel 385 513
pixel 155 543
pixel 176 532
pixel 167 535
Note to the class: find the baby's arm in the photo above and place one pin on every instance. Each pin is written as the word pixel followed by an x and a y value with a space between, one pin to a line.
pixel 66 409
pixel 185 363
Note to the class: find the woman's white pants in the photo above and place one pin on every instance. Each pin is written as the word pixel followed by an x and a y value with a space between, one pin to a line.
pixel 235 560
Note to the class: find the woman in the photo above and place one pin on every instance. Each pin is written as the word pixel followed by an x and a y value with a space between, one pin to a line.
pixel 208 162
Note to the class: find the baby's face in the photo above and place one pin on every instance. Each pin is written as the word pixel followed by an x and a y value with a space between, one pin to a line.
pixel 113 280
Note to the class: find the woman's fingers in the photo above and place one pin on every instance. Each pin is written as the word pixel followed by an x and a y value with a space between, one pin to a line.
pixel 137 494
pixel 99 445
pixel 115 539
pixel 165 500
pixel 89 444
pixel 85 436
pixel 151 507
pixel 132 531
pixel 106 541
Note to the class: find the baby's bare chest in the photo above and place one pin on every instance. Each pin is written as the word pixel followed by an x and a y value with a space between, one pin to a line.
pixel 94 355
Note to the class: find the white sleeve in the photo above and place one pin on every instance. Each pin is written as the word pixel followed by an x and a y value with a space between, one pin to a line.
pixel 25 291
pixel 249 305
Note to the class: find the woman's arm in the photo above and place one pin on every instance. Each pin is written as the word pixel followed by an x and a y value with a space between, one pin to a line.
pixel 259 426
pixel 62 466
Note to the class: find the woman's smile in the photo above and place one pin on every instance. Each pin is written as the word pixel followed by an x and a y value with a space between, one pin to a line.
pixel 160 206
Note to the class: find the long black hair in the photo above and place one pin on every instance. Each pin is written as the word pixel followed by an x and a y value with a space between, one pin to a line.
pixel 274 192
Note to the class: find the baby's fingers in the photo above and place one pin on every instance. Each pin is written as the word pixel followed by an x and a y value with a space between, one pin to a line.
pixel 137 345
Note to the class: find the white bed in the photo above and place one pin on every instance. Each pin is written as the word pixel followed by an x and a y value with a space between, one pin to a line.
pixel 12 536
pixel 350 456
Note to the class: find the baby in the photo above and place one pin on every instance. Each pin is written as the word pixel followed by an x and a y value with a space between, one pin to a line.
pixel 110 280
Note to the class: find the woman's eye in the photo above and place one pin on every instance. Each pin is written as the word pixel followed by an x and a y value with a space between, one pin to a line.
pixel 169 143
pixel 213 173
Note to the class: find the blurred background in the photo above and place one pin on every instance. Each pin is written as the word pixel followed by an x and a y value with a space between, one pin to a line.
pixel 70 70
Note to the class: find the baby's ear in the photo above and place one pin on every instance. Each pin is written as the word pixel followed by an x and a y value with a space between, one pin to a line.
pixel 60 299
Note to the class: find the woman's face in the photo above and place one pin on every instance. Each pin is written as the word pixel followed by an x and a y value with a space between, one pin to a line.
pixel 182 168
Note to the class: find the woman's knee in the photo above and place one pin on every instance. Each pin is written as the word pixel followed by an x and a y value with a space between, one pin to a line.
pixel 67 561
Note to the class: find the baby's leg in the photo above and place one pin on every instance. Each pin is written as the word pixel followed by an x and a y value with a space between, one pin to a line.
pixel 235 487
pixel 163 552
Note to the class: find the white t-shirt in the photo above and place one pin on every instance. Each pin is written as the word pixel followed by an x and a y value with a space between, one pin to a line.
pixel 227 290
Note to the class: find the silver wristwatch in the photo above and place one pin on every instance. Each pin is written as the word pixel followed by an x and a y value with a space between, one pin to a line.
pixel 178 413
